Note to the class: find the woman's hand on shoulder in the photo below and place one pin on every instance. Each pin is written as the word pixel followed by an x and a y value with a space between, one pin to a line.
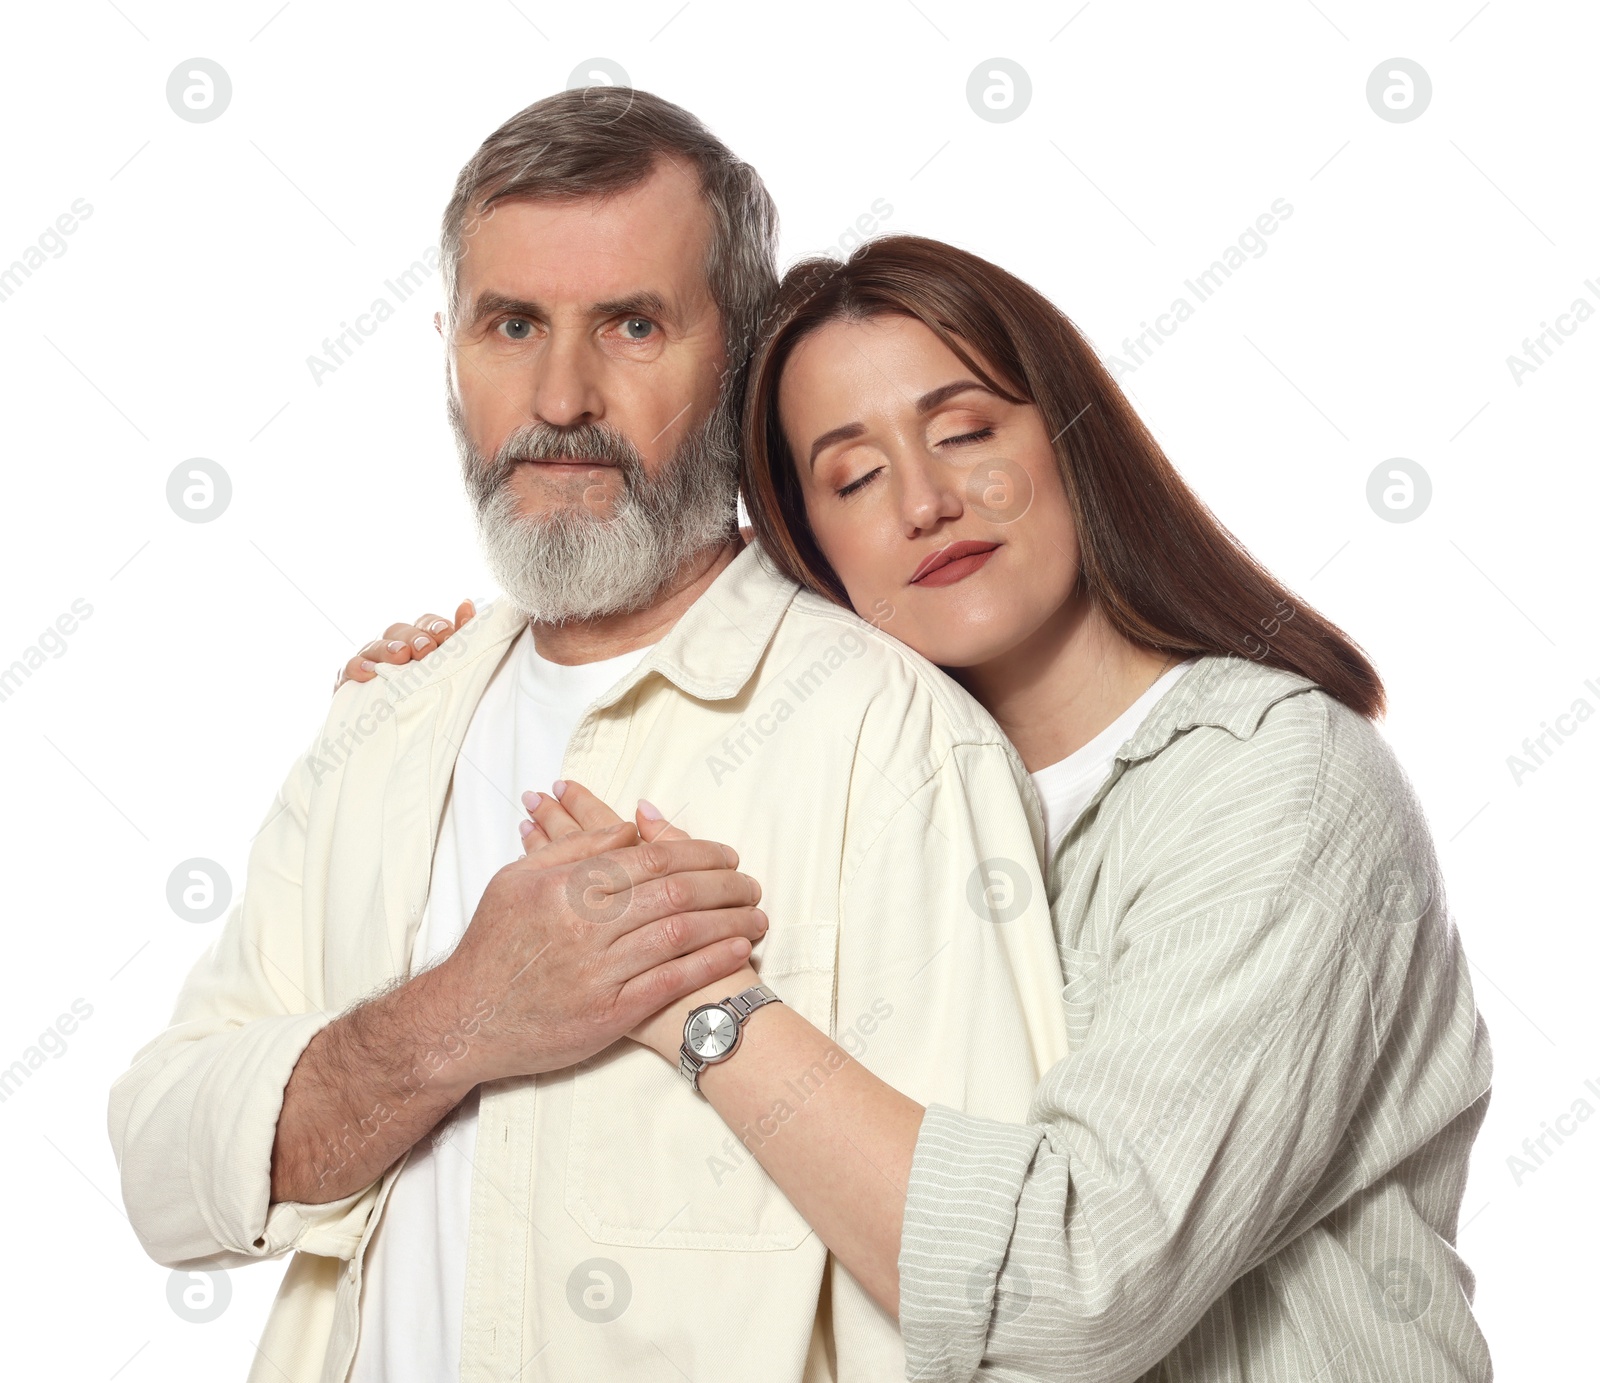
pixel 403 642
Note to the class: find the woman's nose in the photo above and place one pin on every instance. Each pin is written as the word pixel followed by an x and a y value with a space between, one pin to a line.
pixel 931 490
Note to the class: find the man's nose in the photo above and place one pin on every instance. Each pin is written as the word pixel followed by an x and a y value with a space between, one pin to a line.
pixel 565 384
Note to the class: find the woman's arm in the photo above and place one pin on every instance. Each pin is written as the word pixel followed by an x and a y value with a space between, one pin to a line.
pixel 842 1156
pixel 1267 1041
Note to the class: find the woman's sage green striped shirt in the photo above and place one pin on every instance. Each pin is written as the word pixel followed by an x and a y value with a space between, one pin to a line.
pixel 1249 1167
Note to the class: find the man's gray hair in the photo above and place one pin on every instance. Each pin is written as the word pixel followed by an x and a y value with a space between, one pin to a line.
pixel 598 140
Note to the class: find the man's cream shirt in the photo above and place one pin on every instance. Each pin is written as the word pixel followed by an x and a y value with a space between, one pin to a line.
pixel 618 1226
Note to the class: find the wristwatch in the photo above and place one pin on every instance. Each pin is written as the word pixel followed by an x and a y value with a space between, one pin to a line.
pixel 712 1032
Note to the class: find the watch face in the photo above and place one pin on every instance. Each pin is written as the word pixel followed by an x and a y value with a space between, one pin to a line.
pixel 711 1033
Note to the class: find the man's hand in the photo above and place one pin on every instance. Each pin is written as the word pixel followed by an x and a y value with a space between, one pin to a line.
pixel 580 942
pixel 578 812
pixel 567 952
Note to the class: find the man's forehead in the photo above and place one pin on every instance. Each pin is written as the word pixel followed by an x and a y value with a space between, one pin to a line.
pixel 649 237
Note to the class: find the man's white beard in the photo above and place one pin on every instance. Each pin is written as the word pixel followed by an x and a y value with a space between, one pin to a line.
pixel 571 564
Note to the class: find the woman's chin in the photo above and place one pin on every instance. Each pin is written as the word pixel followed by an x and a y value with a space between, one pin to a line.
pixel 958 644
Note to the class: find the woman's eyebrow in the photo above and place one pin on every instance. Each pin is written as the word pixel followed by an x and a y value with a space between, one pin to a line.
pixel 934 397
pixel 838 434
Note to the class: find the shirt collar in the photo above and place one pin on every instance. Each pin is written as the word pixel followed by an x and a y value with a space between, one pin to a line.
pixel 710 653
pixel 1221 689
pixel 714 648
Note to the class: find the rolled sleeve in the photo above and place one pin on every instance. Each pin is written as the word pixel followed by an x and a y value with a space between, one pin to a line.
pixel 967 1176
pixel 194 1118
pixel 1158 1163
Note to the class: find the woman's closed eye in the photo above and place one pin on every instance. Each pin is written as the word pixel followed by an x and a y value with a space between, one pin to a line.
pixel 962 439
pixel 846 491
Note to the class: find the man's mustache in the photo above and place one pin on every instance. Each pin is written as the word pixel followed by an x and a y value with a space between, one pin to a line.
pixel 583 442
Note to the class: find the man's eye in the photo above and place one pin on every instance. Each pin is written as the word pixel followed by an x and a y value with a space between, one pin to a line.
pixel 517 328
pixel 638 328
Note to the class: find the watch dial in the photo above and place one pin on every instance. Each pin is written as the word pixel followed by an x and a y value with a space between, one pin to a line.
pixel 711 1033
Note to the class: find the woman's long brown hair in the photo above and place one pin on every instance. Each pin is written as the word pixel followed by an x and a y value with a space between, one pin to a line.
pixel 1164 570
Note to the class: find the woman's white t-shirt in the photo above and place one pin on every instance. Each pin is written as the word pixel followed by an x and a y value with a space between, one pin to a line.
pixel 1066 786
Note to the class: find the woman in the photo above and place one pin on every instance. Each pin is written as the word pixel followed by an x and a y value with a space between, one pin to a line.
pixel 1251 1163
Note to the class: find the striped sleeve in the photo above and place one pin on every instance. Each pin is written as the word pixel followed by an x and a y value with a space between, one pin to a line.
pixel 1258 925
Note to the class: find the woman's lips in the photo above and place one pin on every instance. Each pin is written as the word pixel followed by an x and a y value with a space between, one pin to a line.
pixel 953 563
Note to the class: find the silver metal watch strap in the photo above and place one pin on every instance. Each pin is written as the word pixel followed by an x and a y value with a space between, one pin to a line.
pixel 747 1001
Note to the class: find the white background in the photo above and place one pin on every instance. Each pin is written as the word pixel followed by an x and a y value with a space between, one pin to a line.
pixel 179 319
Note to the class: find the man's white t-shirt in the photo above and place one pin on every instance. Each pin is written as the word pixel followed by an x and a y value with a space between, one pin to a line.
pixel 416 1266
pixel 1066 786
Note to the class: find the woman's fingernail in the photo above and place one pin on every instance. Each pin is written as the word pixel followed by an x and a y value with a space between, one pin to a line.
pixel 367 665
pixel 525 828
pixel 438 624
pixel 530 800
pixel 649 811
pixel 558 787
pixel 395 646
pixel 420 642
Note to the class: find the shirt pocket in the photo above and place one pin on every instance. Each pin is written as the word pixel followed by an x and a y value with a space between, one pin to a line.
pixel 652 1164
pixel 1080 994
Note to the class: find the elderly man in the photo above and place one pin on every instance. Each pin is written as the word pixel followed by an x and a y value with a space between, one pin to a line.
pixel 394 970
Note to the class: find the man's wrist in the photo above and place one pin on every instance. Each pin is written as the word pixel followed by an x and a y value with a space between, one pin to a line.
pixel 453 1047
